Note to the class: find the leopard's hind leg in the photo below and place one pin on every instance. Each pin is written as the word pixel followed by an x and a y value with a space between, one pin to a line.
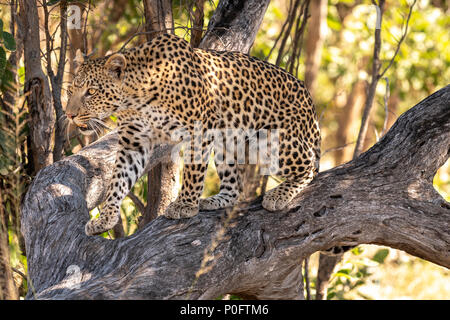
pixel 298 164
pixel 187 203
pixel 230 176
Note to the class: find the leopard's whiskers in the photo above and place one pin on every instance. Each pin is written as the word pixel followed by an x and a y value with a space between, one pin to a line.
pixel 102 123
pixel 65 126
pixel 95 127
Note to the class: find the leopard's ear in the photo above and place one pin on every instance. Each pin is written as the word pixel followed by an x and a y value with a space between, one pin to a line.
pixel 78 60
pixel 116 65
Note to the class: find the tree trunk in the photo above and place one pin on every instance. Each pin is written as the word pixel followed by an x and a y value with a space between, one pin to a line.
pixel 158 17
pixel 77 41
pixel 56 81
pixel 385 196
pixel 163 185
pixel 361 142
pixel 234 25
pixel 197 18
pixel 37 88
pixel 348 122
pixel 314 42
pixel 325 269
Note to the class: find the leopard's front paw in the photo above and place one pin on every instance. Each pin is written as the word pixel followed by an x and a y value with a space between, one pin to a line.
pixel 274 200
pixel 179 210
pixel 94 227
pixel 106 221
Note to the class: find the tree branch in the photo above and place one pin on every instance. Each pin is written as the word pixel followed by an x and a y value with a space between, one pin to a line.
pixel 385 197
pixel 376 65
pixel 402 38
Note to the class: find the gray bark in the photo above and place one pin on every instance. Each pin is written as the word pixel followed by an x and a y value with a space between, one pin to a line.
pixel 158 17
pixel 39 99
pixel 385 196
pixel 234 25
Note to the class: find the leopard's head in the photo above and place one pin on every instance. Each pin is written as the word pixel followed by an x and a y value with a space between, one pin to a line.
pixel 96 91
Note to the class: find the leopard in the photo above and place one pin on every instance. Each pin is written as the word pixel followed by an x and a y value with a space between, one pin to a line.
pixel 165 85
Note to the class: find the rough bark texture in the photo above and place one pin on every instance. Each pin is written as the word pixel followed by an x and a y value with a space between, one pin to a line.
pixel 158 16
pixel 37 87
pixel 233 23
pixel 163 185
pixel 324 271
pixel 197 20
pixel 385 197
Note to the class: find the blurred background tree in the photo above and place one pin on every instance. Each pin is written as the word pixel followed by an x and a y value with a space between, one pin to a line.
pixel 327 43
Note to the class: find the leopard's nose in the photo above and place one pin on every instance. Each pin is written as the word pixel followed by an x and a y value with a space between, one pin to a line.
pixel 70 115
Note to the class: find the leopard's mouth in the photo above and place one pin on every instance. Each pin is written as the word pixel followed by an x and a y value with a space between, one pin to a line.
pixel 89 125
pixel 85 129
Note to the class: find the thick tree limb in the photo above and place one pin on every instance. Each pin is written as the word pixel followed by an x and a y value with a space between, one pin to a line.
pixel 383 197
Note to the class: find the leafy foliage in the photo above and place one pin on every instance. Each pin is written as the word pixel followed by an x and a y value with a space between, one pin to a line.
pixel 7 43
pixel 13 134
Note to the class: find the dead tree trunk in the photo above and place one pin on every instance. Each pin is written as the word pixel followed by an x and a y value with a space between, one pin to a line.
pixel 385 196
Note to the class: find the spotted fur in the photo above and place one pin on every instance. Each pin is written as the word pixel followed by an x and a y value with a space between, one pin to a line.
pixel 165 85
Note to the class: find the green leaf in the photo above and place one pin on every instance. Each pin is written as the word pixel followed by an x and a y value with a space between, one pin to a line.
pixel 357 251
pixel 344 275
pixel 346 271
pixel 1 28
pixel 380 255
pixel 7 80
pixel 2 62
pixel 9 41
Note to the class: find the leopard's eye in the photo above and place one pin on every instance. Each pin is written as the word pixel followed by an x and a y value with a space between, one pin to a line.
pixel 69 90
pixel 91 91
